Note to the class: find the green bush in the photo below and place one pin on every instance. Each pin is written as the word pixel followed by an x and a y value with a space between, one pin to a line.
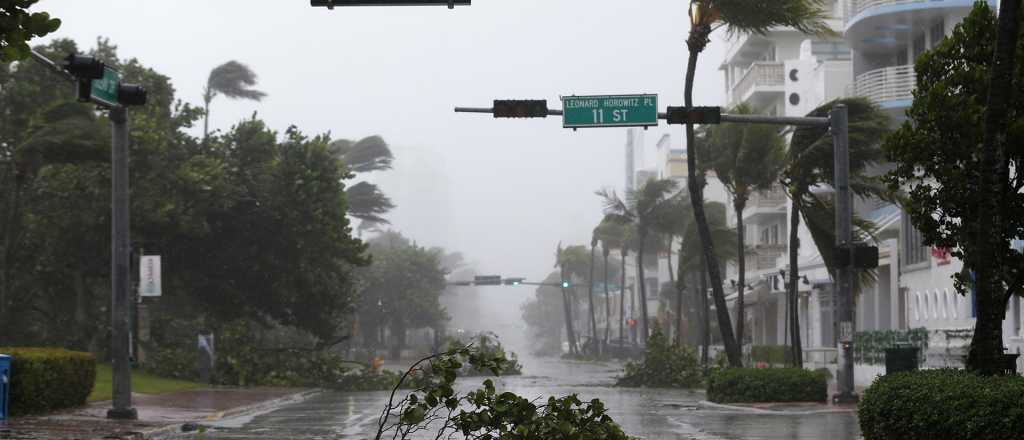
pixel 767 385
pixel 665 365
pixel 942 404
pixel 46 379
pixel 487 344
pixel 869 347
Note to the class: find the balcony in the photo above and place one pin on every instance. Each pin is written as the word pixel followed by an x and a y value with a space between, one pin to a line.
pixel 855 8
pixel 889 86
pixel 765 203
pixel 763 257
pixel 760 77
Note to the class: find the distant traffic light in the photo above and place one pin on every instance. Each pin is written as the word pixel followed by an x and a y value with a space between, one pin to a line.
pixel 487 280
pixel 565 284
pixel 694 115
pixel 858 256
pixel 520 108
pixel 514 281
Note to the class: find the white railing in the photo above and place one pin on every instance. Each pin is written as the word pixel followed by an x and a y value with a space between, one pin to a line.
pixel 759 74
pixel 886 84
pixel 767 199
pixel 855 7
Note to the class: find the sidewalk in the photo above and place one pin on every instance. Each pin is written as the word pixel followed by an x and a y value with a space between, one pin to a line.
pixel 158 414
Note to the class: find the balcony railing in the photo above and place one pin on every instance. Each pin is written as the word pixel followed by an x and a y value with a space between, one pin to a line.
pixel 759 74
pixel 763 257
pixel 767 199
pixel 886 84
pixel 855 7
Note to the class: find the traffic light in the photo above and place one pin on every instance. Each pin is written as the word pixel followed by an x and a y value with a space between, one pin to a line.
pixel 487 280
pixel 520 108
pixel 131 94
pixel 565 284
pixel 694 115
pixel 514 281
pixel 858 256
pixel 83 67
pixel 330 4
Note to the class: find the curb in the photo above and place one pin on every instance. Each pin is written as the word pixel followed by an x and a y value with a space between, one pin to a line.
pixel 171 431
pixel 704 404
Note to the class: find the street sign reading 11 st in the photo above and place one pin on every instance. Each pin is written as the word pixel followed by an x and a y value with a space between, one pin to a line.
pixel 610 111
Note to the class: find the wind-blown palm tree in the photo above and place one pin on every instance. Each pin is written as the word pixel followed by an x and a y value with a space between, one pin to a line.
pixel 643 207
pixel 747 158
pixel 612 235
pixel 365 200
pixel 809 164
pixel 590 291
pixel 233 80
pixel 739 16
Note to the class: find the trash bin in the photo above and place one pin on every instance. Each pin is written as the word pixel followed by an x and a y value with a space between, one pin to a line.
pixel 5 387
pixel 899 359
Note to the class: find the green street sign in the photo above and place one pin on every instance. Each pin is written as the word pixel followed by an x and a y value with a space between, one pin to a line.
pixel 104 91
pixel 610 111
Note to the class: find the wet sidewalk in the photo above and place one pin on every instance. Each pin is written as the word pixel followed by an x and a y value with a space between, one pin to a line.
pixel 159 415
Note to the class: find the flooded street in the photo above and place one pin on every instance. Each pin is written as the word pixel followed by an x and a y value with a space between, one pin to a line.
pixel 643 413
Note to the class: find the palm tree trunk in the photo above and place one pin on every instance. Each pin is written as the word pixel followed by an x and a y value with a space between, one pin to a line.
pixel 206 118
pixel 741 262
pixel 643 288
pixel 697 41
pixel 622 300
pixel 590 297
pixel 793 279
pixel 672 282
pixel 680 287
pixel 705 315
pixel 569 333
pixel 607 302
pixel 987 341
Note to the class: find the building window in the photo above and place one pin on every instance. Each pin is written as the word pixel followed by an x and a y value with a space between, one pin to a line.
pixel 830 50
pixel 764 236
pixel 913 250
pixel 919 45
pixel 938 32
pixel 775 234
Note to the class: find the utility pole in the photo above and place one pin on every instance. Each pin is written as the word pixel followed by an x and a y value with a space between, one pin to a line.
pixel 97 83
pixel 844 241
pixel 120 263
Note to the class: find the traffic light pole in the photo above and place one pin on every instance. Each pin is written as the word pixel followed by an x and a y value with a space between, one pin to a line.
pixel 120 263
pixel 838 125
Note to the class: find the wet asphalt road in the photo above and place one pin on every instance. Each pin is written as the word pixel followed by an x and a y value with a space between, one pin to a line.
pixel 643 413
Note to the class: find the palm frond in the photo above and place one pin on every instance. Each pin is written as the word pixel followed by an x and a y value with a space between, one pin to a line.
pixel 760 16
pixel 233 80
pixel 367 202
pixel 615 205
pixel 368 154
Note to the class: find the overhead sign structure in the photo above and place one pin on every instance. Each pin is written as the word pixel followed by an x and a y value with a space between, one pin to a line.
pixel 104 90
pixel 149 276
pixel 610 111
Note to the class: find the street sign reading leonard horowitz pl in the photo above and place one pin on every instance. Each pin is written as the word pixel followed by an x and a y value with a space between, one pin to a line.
pixel 610 111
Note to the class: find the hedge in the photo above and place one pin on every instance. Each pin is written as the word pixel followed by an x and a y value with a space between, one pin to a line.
pixel 767 385
pixel 942 404
pixel 46 379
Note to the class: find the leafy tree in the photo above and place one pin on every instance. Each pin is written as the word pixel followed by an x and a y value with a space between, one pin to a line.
pixel 572 264
pixel 740 16
pixel 810 162
pixel 612 236
pixel 941 159
pixel 545 315
pixel 18 26
pixel 646 208
pixel 233 80
pixel 746 158
pixel 402 288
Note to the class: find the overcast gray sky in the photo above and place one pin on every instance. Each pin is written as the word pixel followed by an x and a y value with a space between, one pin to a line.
pixel 504 192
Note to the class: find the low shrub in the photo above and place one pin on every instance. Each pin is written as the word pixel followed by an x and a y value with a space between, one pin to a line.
pixel 740 385
pixel 942 404
pixel 665 365
pixel 47 379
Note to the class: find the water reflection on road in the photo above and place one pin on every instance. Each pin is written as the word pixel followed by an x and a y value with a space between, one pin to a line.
pixel 644 413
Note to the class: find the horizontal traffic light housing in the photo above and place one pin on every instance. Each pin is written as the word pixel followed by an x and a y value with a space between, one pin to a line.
pixel 330 4
pixel 513 281
pixel 487 280
pixel 694 115
pixel 858 256
pixel 83 67
pixel 131 94
pixel 520 108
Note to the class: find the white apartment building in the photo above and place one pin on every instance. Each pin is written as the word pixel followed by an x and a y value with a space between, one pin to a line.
pixel 788 73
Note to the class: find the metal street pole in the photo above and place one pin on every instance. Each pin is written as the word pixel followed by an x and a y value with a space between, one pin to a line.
pixel 844 241
pixel 120 264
